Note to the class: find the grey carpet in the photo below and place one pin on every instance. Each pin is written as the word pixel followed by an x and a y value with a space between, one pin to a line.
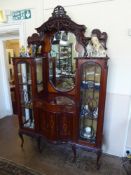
pixel 62 157
pixel 54 159
pixel 10 168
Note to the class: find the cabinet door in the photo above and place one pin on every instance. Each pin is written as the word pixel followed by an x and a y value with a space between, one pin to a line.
pixel 48 125
pixel 24 95
pixel 89 101
pixel 65 121
pixel 56 126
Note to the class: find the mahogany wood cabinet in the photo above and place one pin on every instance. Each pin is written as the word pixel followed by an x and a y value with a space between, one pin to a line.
pixel 71 108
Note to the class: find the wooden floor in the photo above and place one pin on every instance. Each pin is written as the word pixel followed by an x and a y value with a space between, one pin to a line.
pixel 31 157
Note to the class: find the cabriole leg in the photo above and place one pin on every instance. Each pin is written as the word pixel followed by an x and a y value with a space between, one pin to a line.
pixel 99 153
pixel 22 139
pixel 74 152
pixel 39 144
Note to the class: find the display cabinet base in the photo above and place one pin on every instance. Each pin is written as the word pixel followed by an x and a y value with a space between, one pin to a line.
pixel 98 152
pixel 39 138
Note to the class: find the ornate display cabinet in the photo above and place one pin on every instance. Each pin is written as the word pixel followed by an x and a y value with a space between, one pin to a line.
pixel 63 106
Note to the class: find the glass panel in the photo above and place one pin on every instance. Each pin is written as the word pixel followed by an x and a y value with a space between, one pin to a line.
pixel 90 87
pixel 25 89
pixel 28 119
pixel 62 65
pixel 61 100
pixel 39 74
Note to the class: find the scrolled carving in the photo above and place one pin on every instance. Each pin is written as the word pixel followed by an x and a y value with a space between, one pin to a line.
pixel 34 39
pixel 102 36
pixel 96 46
pixel 60 21
pixel 35 43
pixel 59 12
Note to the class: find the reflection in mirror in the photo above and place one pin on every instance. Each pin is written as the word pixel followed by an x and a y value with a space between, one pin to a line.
pixel 39 74
pixel 62 64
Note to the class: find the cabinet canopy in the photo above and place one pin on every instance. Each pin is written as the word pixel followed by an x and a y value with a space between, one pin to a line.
pixel 60 21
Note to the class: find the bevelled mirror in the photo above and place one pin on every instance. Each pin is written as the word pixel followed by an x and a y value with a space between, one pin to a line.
pixel 64 40
pixel 62 65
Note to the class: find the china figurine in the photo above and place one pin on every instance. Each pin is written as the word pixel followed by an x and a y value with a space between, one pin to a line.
pixel 22 52
pixel 28 51
pixel 95 48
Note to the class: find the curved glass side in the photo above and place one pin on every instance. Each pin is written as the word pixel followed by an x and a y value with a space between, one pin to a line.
pixel 25 90
pixel 90 89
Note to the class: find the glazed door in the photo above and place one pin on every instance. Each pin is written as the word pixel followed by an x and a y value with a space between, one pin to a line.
pixel 24 95
pixel 90 87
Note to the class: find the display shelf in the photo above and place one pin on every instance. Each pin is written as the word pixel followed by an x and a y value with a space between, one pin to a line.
pixel 26 105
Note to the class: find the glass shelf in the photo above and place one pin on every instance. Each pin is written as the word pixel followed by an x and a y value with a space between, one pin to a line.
pixel 29 84
pixel 29 124
pixel 90 85
pixel 27 105
pixel 88 138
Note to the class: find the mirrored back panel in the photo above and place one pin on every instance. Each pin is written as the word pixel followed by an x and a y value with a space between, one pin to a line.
pixel 62 65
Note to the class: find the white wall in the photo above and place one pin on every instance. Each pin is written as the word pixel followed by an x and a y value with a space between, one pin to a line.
pixel 4 97
pixel 37 16
pixel 113 17
pixel 25 28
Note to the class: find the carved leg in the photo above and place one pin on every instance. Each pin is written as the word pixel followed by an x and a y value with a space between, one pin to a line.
pixel 39 143
pixel 74 152
pixel 22 139
pixel 98 159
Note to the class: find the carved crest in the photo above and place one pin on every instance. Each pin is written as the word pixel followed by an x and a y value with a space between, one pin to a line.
pixel 60 21
pixel 34 39
pixel 59 12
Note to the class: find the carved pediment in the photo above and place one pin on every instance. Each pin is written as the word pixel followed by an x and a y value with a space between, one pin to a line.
pixel 34 39
pixel 60 21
